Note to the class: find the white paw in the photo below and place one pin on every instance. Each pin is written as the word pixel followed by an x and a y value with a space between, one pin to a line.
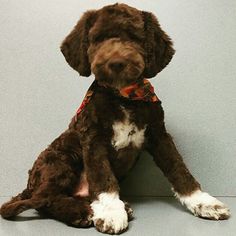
pixel 203 205
pixel 109 214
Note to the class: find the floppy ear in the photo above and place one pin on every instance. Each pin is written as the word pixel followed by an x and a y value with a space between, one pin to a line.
pixel 75 45
pixel 157 46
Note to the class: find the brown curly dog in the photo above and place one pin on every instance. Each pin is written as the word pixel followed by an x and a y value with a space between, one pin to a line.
pixel 76 179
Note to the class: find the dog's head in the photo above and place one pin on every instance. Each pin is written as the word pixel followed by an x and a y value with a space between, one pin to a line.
pixel 119 44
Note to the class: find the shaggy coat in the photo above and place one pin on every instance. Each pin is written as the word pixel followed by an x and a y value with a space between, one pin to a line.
pixel 120 45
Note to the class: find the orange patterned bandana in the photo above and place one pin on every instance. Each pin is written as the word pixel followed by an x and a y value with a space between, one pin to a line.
pixel 142 90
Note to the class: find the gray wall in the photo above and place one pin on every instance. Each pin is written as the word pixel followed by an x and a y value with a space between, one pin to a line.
pixel 39 92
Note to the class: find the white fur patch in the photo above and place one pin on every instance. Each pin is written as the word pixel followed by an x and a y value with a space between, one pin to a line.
pixel 126 133
pixel 110 209
pixel 204 205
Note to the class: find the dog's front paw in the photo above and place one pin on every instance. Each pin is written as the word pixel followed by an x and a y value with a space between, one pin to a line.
pixel 109 214
pixel 205 206
pixel 215 211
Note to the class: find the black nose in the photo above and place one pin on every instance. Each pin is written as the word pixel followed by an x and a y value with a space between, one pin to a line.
pixel 116 65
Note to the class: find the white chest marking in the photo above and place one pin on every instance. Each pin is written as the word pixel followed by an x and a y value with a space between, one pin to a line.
pixel 126 133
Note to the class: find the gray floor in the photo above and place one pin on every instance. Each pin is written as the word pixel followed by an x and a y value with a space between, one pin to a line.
pixel 153 216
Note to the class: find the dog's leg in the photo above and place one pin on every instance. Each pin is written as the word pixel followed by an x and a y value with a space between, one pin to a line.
pixel 109 211
pixel 56 182
pixel 70 210
pixel 186 188
pixel 9 210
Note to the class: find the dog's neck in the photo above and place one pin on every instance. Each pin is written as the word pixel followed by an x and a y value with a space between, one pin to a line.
pixel 139 91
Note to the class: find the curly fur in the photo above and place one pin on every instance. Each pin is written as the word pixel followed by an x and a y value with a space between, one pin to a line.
pixel 120 45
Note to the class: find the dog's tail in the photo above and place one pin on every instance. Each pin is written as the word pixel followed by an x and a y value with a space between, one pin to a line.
pixel 20 203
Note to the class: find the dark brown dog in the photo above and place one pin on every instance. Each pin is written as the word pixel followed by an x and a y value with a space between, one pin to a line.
pixel 76 179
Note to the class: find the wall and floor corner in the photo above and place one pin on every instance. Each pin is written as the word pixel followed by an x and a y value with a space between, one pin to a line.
pixel 39 92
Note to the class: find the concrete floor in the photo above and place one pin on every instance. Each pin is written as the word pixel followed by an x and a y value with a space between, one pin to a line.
pixel 154 216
